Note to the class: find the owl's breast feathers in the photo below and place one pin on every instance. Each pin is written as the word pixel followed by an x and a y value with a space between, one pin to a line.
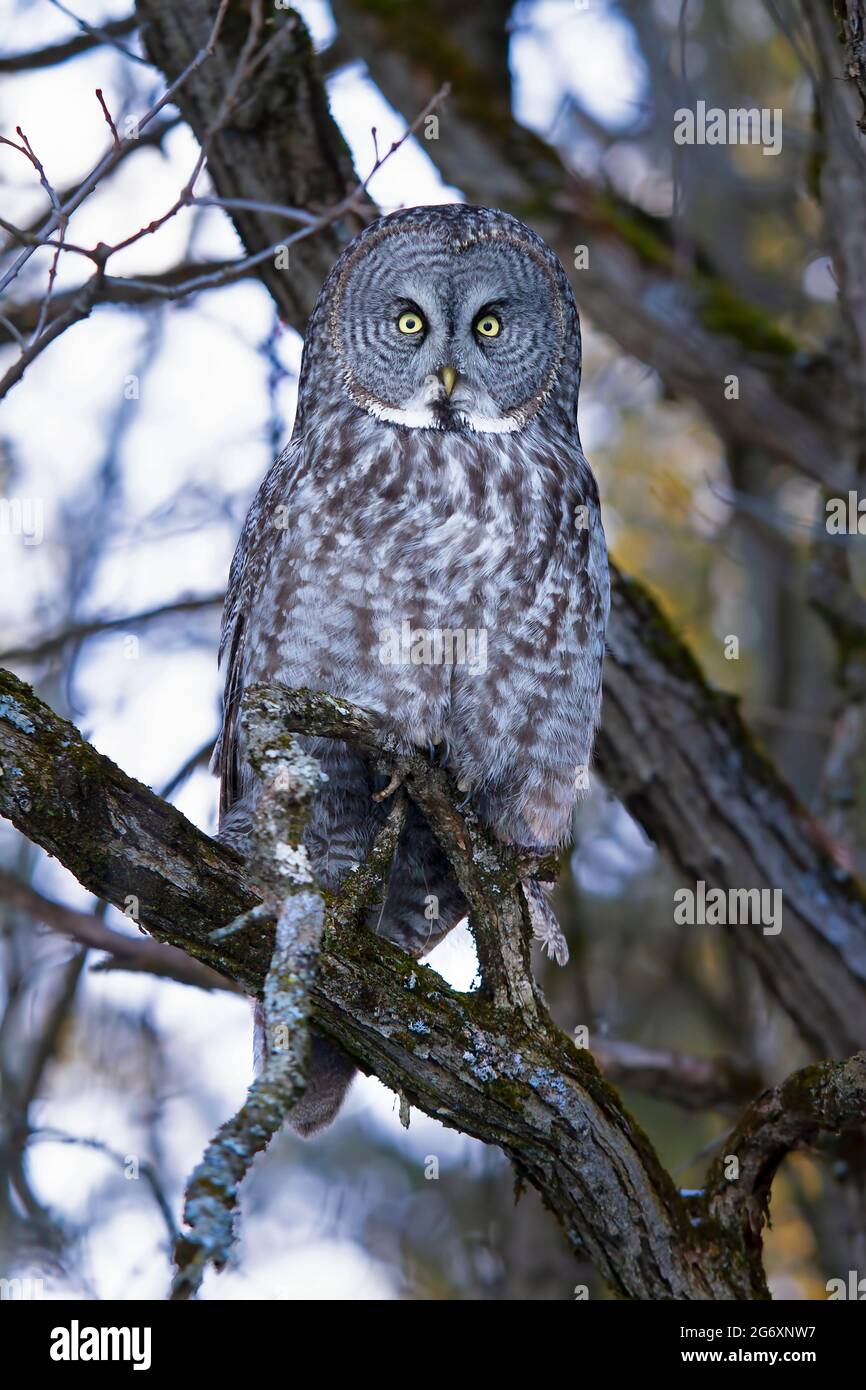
pixel 368 542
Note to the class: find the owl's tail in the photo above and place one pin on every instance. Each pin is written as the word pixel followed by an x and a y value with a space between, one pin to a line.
pixel 330 1075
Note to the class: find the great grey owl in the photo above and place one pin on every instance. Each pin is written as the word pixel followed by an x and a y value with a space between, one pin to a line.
pixel 429 546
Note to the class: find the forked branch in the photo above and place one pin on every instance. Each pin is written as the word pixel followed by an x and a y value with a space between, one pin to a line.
pixel 491 1068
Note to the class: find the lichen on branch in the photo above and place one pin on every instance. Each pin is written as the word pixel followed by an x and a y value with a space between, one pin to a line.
pixel 288 781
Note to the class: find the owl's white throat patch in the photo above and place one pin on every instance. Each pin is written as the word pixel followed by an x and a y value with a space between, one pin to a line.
pixel 431 409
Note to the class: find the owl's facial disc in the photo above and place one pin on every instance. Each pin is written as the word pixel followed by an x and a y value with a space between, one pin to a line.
pixel 437 334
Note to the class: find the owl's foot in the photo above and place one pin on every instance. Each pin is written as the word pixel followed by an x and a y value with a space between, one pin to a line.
pixel 545 927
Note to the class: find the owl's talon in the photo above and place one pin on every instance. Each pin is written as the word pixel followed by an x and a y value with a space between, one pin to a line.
pixel 436 750
pixel 464 786
pixel 395 782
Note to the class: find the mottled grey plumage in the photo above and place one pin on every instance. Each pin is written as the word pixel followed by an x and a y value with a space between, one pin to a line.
pixel 397 503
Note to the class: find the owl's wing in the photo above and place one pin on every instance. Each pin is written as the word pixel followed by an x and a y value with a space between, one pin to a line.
pixel 249 558
pixel 593 556
pixel 225 756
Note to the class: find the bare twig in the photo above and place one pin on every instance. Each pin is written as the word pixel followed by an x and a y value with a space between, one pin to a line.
pixel 105 33
pixel 27 150
pixel 31 235
pixel 52 275
pixel 78 309
pixel 109 160
pixel 167 287
pixel 96 290
pixel 107 114
pixel 13 331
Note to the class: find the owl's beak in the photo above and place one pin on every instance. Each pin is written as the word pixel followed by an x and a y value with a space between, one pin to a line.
pixel 449 376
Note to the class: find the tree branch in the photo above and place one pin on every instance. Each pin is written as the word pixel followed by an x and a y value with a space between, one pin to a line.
pixel 77 632
pixel 289 780
pixel 166 287
pixel 693 1083
pixel 680 758
pixel 124 952
pixel 829 1098
pixel 484 1069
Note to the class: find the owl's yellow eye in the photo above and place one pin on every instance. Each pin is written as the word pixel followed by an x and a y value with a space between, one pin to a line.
pixel 410 322
pixel 488 326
